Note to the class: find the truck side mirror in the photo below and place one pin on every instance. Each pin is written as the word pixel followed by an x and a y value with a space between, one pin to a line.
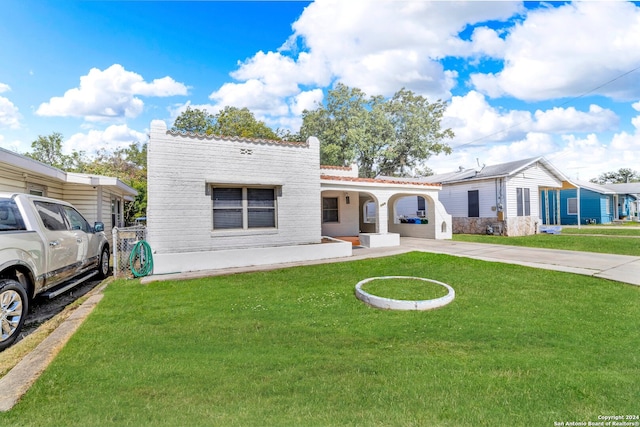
pixel 98 227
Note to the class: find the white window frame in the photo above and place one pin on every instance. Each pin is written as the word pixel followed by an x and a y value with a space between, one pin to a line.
pixel 117 215
pixel 571 200
pixel 244 207
pixel 523 196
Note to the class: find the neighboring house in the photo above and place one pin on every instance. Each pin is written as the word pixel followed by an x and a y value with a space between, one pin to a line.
pixel 592 203
pixel 500 199
pixel 217 202
pixel 627 198
pixel 98 198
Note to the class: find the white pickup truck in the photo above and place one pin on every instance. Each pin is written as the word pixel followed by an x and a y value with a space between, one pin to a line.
pixel 46 248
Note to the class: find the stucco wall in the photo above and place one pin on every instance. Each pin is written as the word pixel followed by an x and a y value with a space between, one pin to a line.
pixel 181 169
pixel 348 215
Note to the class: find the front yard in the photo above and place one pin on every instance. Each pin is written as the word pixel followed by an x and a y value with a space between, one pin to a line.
pixel 601 239
pixel 518 346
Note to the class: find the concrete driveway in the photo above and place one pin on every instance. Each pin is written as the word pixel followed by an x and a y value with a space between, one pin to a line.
pixel 622 268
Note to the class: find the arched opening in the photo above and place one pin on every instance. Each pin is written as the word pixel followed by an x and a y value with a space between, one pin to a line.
pixel 412 215
pixel 369 213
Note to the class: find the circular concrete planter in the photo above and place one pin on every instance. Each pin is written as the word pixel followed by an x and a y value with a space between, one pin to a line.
pixel 395 304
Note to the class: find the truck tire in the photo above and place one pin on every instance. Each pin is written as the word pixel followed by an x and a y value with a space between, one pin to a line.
pixel 103 263
pixel 14 306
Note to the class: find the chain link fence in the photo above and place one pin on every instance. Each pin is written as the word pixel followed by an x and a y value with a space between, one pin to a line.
pixel 124 240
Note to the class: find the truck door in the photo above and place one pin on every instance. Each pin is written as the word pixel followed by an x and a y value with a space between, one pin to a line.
pixel 62 260
pixel 88 249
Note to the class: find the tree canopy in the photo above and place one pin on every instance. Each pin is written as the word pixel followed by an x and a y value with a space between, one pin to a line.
pixel 230 121
pixel 127 164
pixel 621 176
pixel 48 149
pixel 384 136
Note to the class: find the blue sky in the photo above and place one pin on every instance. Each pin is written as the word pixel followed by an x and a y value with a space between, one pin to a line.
pixel 561 80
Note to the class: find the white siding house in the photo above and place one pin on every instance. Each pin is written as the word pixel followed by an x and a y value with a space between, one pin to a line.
pixel 92 195
pixel 499 199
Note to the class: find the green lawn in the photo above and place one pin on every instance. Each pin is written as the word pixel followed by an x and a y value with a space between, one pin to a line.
pixel 602 240
pixel 294 347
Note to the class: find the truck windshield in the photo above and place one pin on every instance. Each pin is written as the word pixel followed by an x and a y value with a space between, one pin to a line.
pixel 10 218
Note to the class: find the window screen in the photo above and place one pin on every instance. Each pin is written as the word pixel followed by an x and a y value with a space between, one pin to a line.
pixel 261 207
pixel 242 208
pixel 329 209
pixel 227 208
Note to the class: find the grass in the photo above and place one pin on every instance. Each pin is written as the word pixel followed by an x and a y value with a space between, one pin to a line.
pixel 518 346
pixel 629 231
pixel 611 241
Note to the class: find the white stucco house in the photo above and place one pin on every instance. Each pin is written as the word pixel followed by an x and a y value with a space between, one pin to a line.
pixel 217 202
pixel 97 197
pixel 505 199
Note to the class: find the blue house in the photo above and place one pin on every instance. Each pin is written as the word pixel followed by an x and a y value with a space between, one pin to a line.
pixel 589 203
pixel 627 199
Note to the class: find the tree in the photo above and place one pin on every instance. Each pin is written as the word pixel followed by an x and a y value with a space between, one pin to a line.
pixel 230 121
pixel 384 136
pixel 623 175
pixel 48 150
pixel 194 120
pixel 130 166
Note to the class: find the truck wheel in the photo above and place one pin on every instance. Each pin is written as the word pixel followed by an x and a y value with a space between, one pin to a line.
pixel 103 265
pixel 13 310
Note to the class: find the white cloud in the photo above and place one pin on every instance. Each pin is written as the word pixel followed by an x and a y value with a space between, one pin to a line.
pixel 367 44
pixel 487 42
pixel 569 119
pixel 112 138
pixel 9 115
pixel 307 100
pixel 569 50
pixel 342 41
pixel 474 120
pixel 254 94
pixel 109 94
pixel 14 145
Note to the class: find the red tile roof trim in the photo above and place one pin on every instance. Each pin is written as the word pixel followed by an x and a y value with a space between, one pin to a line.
pixel 340 168
pixel 193 135
pixel 379 181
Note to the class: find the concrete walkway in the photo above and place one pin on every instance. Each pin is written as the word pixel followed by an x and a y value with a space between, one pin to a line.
pixel 621 268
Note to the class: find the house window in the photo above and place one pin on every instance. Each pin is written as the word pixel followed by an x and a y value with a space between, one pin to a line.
pixel 243 208
pixel 116 213
pixel 369 212
pixel 572 206
pixel 524 201
pixel 473 203
pixel 329 209
pixel 36 189
pixel 422 207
